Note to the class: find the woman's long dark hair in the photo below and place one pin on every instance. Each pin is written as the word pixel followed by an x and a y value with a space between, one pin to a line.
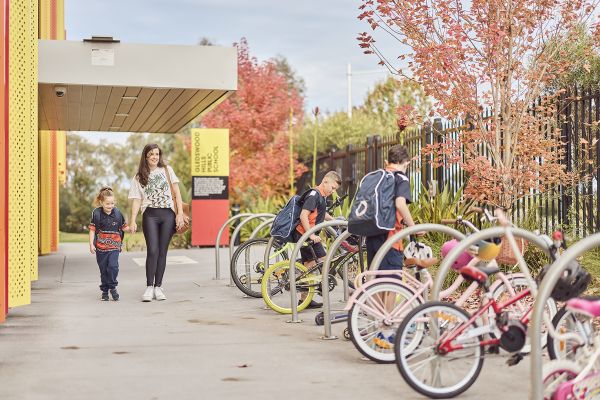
pixel 143 169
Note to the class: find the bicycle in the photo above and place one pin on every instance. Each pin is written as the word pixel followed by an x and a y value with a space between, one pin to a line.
pixel 577 377
pixel 275 285
pixel 372 325
pixel 247 265
pixel 438 333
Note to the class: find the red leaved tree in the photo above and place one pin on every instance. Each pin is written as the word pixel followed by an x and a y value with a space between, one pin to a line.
pixel 257 116
pixel 495 55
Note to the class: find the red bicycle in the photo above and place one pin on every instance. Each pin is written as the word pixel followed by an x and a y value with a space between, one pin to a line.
pixel 440 347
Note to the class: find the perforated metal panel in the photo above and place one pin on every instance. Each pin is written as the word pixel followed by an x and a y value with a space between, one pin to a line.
pixel 51 26
pixel 22 245
pixel 33 138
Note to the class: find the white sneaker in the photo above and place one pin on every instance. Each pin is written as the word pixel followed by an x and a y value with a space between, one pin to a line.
pixel 159 294
pixel 148 293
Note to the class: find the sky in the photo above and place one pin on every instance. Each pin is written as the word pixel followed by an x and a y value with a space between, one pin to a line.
pixel 318 37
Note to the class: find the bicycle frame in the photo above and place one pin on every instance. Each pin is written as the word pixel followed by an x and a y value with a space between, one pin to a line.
pixel 446 345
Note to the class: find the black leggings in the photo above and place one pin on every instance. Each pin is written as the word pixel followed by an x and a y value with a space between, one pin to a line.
pixel 159 226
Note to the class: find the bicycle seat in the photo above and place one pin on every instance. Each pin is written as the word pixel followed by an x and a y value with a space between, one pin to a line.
pixel 478 274
pixel 587 307
pixel 420 263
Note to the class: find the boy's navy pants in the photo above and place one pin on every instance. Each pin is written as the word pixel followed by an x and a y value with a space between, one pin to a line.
pixel 108 262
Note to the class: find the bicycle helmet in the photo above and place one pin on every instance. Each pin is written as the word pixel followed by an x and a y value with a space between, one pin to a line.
pixel 572 283
pixel 418 250
pixel 462 260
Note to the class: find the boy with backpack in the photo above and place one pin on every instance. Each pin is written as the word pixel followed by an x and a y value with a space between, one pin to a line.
pixel 380 208
pixel 313 212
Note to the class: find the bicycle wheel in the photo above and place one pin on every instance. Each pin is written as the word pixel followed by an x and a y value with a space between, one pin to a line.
pixel 375 317
pixel 517 310
pixel 566 321
pixel 426 369
pixel 557 372
pixel 275 287
pixel 248 266
pixel 353 263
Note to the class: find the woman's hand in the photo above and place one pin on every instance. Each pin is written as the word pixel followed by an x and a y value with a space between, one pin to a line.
pixel 132 227
pixel 179 220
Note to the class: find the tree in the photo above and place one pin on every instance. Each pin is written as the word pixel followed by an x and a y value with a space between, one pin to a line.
pixel 498 55
pixel 257 116
pixel 392 96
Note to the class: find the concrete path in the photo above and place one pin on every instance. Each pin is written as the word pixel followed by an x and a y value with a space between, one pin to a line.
pixel 205 342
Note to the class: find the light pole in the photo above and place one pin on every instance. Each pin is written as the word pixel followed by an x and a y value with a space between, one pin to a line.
pixel 349 75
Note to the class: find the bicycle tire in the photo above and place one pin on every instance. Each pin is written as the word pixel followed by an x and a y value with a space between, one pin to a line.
pixel 407 328
pixel 556 372
pixel 268 293
pixel 366 345
pixel 238 278
pixel 554 347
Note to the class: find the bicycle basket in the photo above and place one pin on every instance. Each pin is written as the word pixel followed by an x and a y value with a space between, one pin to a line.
pixel 507 256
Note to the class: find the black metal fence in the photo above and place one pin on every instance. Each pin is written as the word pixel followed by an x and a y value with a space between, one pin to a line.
pixel 572 207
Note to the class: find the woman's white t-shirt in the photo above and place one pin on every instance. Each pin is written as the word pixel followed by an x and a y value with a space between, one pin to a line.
pixel 157 193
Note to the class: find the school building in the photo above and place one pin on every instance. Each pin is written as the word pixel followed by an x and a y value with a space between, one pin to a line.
pixel 51 86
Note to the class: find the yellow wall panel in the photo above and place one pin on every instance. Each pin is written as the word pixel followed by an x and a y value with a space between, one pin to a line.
pixel 45 186
pixel 33 138
pixel 53 146
pixel 21 154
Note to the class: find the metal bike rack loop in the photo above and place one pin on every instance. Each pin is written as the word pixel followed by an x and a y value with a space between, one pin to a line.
pixel 326 301
pixel 218 242
pixel 473 238
pixel 260 227
pixel 544 292
pixel 236 233
pixel 292 270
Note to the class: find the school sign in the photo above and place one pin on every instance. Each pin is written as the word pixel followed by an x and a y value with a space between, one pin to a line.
pixel 210 185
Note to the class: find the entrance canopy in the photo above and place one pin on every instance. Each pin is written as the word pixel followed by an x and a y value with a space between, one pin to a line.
pixel 112 86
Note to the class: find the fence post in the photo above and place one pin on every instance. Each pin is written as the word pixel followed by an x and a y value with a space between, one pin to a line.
pixel 377 150
pixel 347 170
pixel 436 138
pixel 368 154
pixel 425 166
pixel 566 139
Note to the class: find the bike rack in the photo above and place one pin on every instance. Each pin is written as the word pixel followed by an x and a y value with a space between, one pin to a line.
pixel 292 270
pixel 236 233
pixel 326 266
pixel 218 242
pixel 260 227
pixel 544 292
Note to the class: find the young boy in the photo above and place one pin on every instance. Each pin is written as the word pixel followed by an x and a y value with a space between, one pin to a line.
pixel 397 162
pixel 314 211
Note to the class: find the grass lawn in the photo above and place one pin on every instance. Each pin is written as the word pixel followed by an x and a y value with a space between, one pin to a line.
pixel 66 237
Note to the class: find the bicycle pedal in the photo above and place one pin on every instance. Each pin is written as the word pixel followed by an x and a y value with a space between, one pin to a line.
pixel 514 359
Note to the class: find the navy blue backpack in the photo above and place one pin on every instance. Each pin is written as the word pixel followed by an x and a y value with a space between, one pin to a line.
pixel 373 211
pixel 287 219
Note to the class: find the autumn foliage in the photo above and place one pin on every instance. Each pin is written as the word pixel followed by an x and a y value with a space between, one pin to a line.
pixel 257 116
pixel 497 56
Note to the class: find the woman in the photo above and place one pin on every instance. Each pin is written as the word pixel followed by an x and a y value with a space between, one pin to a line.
pixel 150 191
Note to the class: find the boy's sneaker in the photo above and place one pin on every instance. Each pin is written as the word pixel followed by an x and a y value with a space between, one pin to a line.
pixel 312 304
pixel 159 294
pixel 385 343
pixel 114 294
pixel 104 296
pixel 148 294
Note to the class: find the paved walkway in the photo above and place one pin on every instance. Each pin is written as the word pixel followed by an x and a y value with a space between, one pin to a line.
pixel 205 342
